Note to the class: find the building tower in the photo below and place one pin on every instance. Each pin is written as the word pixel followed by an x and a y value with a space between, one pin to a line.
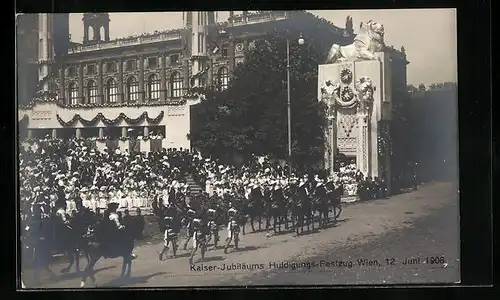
pixel 197 23
pixel 99 23
pixel 46 54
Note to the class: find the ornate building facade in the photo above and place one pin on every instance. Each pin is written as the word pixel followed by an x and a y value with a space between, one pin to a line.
pixel 111 89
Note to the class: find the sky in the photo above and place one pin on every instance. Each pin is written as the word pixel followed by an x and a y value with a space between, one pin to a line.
pixel 428 35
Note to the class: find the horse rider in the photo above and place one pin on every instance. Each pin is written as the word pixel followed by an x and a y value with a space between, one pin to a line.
pixel 110 226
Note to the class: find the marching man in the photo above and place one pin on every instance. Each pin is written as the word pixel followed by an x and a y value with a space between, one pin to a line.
pixel 199 239
pixel 233 230
pixel 170 236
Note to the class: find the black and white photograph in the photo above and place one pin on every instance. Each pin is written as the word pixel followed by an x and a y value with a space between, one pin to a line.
pixel 237 148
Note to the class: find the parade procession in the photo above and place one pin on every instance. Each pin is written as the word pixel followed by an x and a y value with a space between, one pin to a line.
pixel 172 149
pixel 82 197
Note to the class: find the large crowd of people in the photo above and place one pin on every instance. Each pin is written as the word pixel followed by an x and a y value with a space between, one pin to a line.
pixel 69 169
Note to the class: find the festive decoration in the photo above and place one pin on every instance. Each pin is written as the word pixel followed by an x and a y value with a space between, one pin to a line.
pixel 101 117
pixel 97 105
pixel 346 76
pixel 346 94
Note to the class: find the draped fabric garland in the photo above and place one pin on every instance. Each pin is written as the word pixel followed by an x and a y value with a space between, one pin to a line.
pixel 97 105
pixel 101 117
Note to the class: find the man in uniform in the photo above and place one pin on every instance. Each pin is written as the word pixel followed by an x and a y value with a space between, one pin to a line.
pixel 212 218
pixel 188 221
pixel 172 229
pixel 199 238
pixel 233 229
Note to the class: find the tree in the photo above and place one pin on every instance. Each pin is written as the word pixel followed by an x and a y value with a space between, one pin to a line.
pixel 421 87
pixel 250 117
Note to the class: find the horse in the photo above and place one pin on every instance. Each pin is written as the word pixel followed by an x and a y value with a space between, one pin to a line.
pixel 69 235
pixel 321 205
pixel 255 207
pixel 279 210
pixel 105 240
pixel 335 198
pixel 303 210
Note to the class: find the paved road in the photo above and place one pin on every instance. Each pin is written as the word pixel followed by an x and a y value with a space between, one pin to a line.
pixel 383 233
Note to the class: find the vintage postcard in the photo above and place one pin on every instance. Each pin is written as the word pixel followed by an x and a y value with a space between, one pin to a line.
pixel 238 148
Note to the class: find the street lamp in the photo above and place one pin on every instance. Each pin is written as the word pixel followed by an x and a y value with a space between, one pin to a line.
pixel 301 41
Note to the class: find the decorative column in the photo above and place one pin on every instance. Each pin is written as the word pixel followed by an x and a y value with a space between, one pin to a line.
pixel 163 90
pixel 145 131
pixel 54 133
pixel 186 84
pixel 30 134
pixel 62 93
pixel 141 79
pixel 332 126
pixel 78 133
pixel 121 66
pixel 100 82
pixel 80 84
pixel 124 132
pixel 364 88
pixel 330 98
pixel 101 133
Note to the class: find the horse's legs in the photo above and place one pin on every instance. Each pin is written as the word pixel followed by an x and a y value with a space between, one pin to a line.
pixel 252 220
pixel 77 260
pixel 340 211
pixel 71 260
pixel 89 270
pixel 126 265
pixel 243 224
pixel 129 264
pixel 174 247
pixel 260 221
pixel 203 249
pixel 216 238
pixel 275 221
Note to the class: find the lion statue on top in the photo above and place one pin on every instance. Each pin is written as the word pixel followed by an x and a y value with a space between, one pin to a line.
pixel 367 42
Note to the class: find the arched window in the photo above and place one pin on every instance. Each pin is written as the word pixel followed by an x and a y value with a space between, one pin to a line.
pixel 111 91
pixel 73 93
pixel 153 87
pixel 223 78
pixel 176 82
pixel 132 89
pixel 92 92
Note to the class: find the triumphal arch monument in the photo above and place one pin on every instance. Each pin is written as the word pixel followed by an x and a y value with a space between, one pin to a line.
pixel 355 82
